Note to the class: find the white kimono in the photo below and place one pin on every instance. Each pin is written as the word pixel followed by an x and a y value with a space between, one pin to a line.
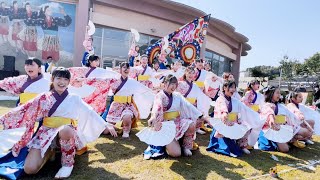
pixel 309 114
pixel 40 86
pixel 90 124
pixel 291 120
pixel 142 96
pixel 202 101
pixel 246 116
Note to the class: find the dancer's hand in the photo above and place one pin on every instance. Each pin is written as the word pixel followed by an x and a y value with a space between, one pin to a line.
pixel 206 120
pixel 272 123
pixel 229 123
pixel 112 130
pixel 276 127
pixel 157 126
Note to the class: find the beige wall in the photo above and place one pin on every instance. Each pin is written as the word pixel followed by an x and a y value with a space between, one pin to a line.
pixel 217 46
pixel 123 19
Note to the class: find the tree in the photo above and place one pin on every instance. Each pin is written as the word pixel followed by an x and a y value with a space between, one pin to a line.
pixel 264 71
pixel 257 72
pixel 313 64
pixel 290 67
pixel 300 69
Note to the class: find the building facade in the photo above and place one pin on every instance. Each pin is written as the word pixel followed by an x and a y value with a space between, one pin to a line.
pixel 153 19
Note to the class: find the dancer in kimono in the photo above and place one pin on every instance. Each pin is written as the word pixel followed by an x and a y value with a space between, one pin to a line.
pixel 176 69
pixel 133 53
pixel 62 127
pixel 158 76
pixel 194 95
pixel 279 121
pixel 213 87
pixel 200 75
pixel 143 73
pixel 97 100
pixel 253 98
pixel 232 116
pixel 207 66
pixel 305 114
pixel 4 21
pixel 88 46
pixel 136 62
pixel 29 35
pixel 229 77
pixel 131 101
pixel 16 16
pixel 172 106
pixel 50 26
pixel 27 86
pixel 156 66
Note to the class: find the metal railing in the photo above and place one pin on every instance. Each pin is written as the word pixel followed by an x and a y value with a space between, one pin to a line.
pixel 112 61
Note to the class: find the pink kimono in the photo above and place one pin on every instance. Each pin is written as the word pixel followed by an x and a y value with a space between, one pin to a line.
pixel 188 114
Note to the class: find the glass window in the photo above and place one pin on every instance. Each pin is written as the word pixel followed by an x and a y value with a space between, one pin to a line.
pixel 221 68
pixel 222 58
pixel 98 32
pixel 115 43
pixel 219 64
pixel 115 48
pixel 208 55
pixel 116 34
pixel 215 67
pixel 227 65
pixel 97 45
pixel 216 57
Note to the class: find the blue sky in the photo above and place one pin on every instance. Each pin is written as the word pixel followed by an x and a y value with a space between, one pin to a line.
pixel 274 28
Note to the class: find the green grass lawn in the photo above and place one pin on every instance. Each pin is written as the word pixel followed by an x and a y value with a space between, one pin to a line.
pixel 116 158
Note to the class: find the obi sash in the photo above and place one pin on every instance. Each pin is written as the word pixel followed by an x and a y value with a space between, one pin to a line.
pixel 55 122
pixel 143 77
pixel 255 107
pixel 25 97
pixel 122 99
pixel 171 115
pixel 192 100
pixel 200 84
pixel 233 116
pixel 280 119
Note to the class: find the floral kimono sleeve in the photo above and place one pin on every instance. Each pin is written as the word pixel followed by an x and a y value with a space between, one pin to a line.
pixel 158 108
pixel 267 111
pixel 26 116
pixel 77 72
pixel 247 98
pixel 13 84
pixel 292 108
pixel 221 108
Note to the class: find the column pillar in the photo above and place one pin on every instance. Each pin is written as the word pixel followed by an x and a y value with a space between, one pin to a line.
pixel 236 64
pixel 82 16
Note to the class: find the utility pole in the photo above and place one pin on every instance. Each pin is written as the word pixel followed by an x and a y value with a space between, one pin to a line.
pixel 280 78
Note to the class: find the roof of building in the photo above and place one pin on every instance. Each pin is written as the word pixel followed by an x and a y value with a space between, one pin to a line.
pixel 180 14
